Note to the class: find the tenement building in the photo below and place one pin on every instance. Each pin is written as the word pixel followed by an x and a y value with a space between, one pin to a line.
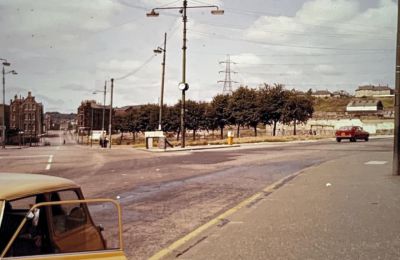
pixel 90 116
pixel 374 91
pixel 26 115
pixel 4 110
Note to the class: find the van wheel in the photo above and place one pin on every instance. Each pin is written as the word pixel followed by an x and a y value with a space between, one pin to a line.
pixel 366 139
pixel 353 139
pixel 338 140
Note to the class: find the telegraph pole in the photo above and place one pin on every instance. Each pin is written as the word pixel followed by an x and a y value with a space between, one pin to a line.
pixel 104 108
pixel 110 116
pixel 183 85
pixel 228 80
pixel 396 147
pixel 162 50
pixel 183 76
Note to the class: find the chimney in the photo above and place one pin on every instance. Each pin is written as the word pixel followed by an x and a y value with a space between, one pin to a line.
pixel 29 94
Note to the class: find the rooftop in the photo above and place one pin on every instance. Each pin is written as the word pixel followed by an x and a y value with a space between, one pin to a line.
pixel 19 185
pixel 372 87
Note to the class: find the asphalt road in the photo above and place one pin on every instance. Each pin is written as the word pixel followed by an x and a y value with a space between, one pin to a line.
pixel 166 195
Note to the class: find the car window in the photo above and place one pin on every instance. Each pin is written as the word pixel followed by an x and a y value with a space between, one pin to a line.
pixel 33 237
pixel 66 217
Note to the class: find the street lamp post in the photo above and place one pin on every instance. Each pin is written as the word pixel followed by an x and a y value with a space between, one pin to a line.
pixel 162 50
pixel 91 127
pixel 3 126
pixel 104 107
pixel 396 146
pixel 184 86
pixel 110 116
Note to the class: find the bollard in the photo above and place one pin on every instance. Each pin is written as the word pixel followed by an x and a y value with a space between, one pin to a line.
pixel 230 137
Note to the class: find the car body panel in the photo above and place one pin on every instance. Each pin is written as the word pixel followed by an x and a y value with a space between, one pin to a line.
pixel 103 255
pixel 352 133
pixel 15 186
pixel 18 185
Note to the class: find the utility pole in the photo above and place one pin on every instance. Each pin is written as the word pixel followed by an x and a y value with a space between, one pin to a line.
pixel 3 129
pixel 183 105
pixel 91 127
pixel 104 108
pixel 110 116
pixel 396 147
pixel 183 85
pixel 162 50
pixel 228 80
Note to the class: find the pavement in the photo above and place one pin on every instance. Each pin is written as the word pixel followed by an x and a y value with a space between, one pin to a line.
pixel 347 208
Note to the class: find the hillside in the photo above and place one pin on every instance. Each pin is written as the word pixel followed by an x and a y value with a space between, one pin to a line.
pixel 339 104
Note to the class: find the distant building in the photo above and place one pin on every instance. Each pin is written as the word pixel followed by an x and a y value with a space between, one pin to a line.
pixel 340 94
pixel 6 113
pixel 125 110
pixel 374 91
pixel 366 106
pixel 59 121
pixel 321 94
pixel 26 115
pixel 90 116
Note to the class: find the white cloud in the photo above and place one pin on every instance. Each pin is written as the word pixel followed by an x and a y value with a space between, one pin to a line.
pixel 246 59
pixel 326 70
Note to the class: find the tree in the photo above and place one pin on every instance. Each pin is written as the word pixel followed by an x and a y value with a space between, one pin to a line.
pixel 172 119
pixel 195 116
pixel 243 108
pixel 219 112
pixel 272 104
pixel 148 117
pixel 298 108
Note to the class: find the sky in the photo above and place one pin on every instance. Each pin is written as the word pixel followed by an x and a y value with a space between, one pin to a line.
pixel 64 51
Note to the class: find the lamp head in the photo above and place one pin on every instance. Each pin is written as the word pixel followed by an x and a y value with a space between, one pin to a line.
pixel 5 63
pixel 158 50
pixel 217 12
pixel 152 13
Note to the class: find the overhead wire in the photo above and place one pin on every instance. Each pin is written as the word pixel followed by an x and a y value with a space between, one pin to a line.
pixel 172 28
pixel 223 37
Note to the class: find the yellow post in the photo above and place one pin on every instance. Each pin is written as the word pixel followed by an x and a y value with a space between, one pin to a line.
pixel 230 137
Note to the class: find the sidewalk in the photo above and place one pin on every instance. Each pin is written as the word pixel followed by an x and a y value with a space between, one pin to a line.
pixel 344 209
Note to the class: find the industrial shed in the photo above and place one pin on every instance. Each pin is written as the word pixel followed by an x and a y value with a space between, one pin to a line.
pixel 364 106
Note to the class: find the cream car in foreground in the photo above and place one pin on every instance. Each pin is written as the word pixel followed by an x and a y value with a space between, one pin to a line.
pixel 46 217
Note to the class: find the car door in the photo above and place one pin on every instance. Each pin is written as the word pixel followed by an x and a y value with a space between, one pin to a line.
pixel 70 236
pixel 71 227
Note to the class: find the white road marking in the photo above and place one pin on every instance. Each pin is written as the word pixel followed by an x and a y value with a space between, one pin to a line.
pixel 376 162
pixel 49 162
pixel 23 156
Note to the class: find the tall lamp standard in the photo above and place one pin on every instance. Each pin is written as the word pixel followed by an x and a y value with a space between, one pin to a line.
pixel 110 116
pixel 3 127
pixel 184 86
pixel 104 106
pixel 163 51
pixel 396 145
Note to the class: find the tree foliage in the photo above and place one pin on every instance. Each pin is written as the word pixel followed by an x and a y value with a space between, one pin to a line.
pixel 245 107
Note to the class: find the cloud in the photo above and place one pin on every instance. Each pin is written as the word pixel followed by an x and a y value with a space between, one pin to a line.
pixel 76 87
pixel 246 59
pixel 326 70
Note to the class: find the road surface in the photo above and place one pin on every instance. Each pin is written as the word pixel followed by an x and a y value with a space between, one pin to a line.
pixel 166 195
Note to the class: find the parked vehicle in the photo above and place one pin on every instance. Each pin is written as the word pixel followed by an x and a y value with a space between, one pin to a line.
pixel 46 217
pixel 352 133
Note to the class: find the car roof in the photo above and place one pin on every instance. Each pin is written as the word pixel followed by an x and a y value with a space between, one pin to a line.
pixel 19 185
